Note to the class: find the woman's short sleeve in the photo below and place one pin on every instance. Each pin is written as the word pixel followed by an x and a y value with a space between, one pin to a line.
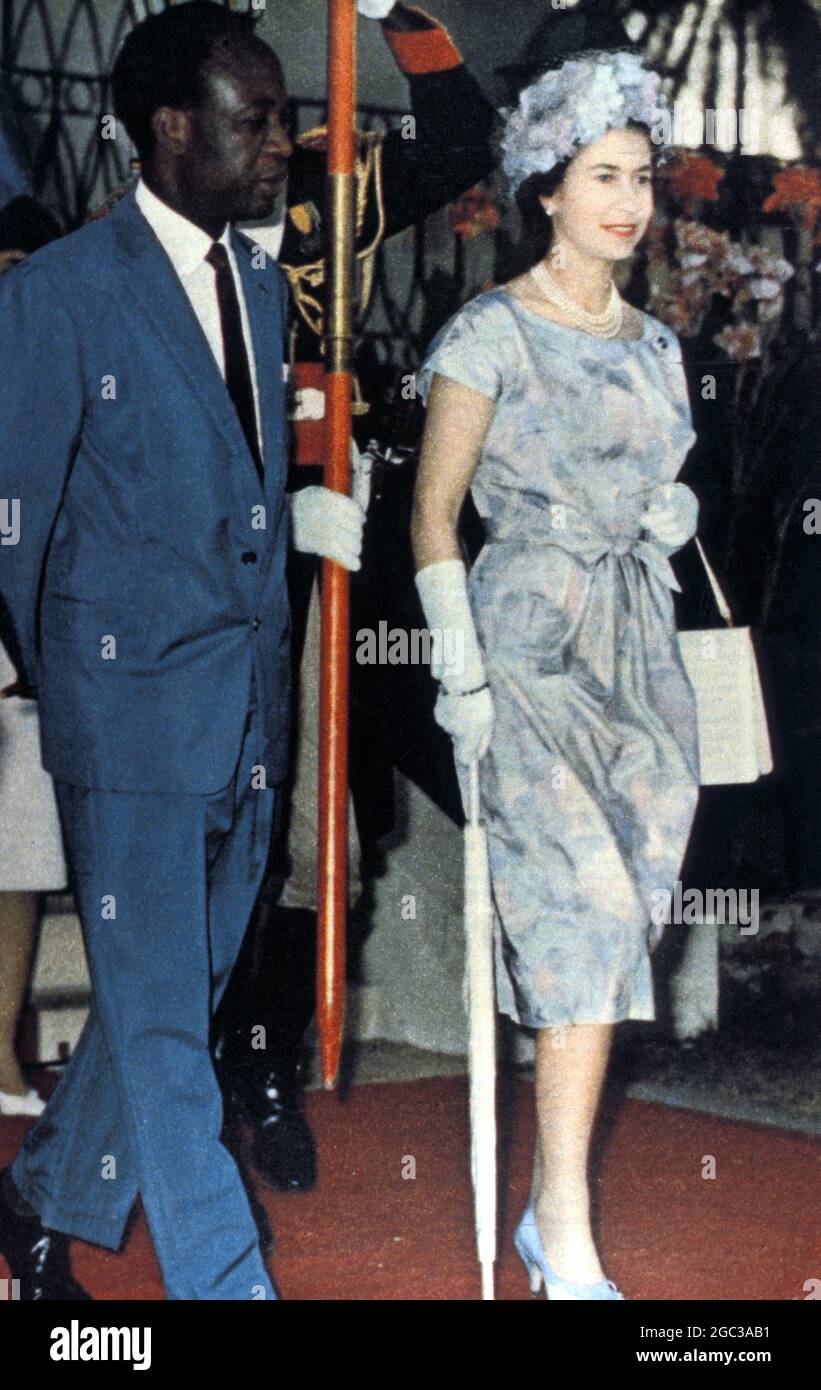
pixel 467 350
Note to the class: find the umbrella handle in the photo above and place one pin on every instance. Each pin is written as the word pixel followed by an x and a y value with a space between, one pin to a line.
pixel 473 792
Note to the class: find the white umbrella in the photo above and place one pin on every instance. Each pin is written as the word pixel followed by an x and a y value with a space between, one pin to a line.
pixel 481 1009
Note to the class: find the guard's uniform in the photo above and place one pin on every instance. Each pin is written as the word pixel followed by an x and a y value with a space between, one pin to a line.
pixel 403 177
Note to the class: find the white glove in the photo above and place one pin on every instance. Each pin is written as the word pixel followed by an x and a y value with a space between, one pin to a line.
pixel 469 721
pixel 672 515
pixel 327 523
pixel 456 659
pixel 375 9
pixel 362 475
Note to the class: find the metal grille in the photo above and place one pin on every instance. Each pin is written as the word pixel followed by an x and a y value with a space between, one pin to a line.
pixel 61 94
pixel 55 61
pixel 60 99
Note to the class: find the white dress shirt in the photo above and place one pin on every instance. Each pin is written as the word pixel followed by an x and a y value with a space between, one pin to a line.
pixel 186 246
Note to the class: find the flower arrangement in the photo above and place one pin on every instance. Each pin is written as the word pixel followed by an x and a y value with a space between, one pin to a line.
pixel 708 263
pixel 720 292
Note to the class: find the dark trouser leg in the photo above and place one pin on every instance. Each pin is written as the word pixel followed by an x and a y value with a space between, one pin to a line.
pixel 263 1059
pixel 282 997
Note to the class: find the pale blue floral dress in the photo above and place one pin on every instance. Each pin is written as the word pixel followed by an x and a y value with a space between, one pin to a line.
pixel 590 785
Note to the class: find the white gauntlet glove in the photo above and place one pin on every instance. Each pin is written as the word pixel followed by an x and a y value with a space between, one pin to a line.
pixel 469 721
pixel 464 708
pixel 375 9
pixel 672 514
pixel 327 523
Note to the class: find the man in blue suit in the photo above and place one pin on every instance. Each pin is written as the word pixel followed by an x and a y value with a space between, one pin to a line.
pixel 142 467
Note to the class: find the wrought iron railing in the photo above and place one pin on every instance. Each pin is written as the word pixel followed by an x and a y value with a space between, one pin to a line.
pixel 54 64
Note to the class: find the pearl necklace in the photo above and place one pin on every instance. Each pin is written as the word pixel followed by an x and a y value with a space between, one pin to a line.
pixel 606 325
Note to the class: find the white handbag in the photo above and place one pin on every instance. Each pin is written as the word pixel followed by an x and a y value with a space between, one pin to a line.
pixel 733 739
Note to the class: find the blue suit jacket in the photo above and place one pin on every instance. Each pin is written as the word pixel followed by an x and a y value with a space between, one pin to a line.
pixel 140 511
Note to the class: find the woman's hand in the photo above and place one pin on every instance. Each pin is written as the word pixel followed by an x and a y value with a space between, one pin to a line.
pixel 464 708
pixel 457 423
pixel 469 721
pixel 672 515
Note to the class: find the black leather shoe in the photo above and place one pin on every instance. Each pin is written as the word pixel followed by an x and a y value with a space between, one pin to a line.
pixel 232 1139
pixel 267 1084
pixel 36 1256
pixel 282 1149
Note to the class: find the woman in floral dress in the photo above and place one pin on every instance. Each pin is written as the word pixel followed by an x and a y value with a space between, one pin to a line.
pixel 565 411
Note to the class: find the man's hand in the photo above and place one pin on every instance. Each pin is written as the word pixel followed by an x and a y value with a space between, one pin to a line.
pixel 327 523
pixel 375 9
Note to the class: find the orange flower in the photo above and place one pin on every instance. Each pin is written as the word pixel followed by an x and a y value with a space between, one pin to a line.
pixel 694 178
pixel 796 188
pixel 474 212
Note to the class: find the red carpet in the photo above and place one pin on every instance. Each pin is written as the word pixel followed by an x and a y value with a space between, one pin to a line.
pixel 369 1233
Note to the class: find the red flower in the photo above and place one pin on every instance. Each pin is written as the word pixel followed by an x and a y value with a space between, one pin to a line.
pixel 796 188
pixel 474 212
pixel 692 177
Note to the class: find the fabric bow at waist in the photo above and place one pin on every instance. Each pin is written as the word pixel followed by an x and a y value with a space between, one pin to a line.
pixel 569 531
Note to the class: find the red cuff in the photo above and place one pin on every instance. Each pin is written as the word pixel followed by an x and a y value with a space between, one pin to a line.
pixel 423 50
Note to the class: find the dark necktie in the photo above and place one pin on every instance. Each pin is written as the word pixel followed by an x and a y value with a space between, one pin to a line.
pixel 237 369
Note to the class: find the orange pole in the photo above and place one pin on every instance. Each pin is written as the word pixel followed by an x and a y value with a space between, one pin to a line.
pixel 333 658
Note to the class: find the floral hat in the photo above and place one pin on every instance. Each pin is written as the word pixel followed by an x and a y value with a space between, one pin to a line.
pixel 574 105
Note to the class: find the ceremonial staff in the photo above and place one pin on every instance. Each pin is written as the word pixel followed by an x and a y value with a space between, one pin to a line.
pixel 333 657
pixel 481 1007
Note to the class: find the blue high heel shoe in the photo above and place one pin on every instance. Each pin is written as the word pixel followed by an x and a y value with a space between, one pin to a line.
pixel 529 1249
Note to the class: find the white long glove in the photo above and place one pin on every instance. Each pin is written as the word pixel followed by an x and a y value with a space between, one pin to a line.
pixel 469 721
pixel 672 515
pixel 375 9
pixel 327 523
pixel 464 706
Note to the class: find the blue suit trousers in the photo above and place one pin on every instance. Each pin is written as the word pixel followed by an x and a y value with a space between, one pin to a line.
pixel 165 886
